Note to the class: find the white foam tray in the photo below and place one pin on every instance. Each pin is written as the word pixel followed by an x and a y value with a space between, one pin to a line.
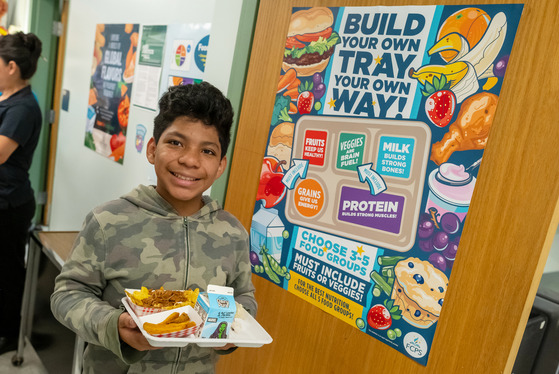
pixel 249 334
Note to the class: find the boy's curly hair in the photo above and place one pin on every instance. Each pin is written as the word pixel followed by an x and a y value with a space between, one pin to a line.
pixel 199 101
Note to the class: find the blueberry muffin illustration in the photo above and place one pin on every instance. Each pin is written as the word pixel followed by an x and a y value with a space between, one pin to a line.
pixel 419 290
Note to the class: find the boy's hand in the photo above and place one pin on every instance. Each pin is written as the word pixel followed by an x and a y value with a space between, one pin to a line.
pixel 131 334
pixel 225 347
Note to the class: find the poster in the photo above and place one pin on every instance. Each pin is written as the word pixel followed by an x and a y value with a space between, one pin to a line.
pixel 185 54
pixel 377 134
pixel 112 74
pixel 148 71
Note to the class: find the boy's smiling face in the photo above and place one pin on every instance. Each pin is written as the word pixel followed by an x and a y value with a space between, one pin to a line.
pixel 187 160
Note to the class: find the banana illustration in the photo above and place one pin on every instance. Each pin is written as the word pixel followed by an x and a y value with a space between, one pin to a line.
pixel 470 65
pixel 454 72
pixel 486 50
pixel 468 85
pixel 482 55
pixel 454 42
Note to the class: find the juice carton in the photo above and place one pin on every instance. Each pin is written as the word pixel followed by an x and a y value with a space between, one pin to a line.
pixel 217 309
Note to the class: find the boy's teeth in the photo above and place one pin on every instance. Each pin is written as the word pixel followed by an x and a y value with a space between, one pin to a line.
pixel 183 178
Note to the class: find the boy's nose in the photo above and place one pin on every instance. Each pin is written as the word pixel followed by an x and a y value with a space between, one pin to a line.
pixel 190 158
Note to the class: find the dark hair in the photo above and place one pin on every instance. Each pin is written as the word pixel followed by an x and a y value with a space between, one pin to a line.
pixel 199 101
pixel 24 50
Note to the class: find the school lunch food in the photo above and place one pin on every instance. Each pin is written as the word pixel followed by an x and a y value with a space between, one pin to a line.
pixel 175 322
pixel 148 301
pixel 158 317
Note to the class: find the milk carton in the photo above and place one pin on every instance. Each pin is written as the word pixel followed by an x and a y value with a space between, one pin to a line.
pixel 217 309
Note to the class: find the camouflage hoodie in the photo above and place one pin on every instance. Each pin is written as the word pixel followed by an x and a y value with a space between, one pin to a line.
pixel 140 240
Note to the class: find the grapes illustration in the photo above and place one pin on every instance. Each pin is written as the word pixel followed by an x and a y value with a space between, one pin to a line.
pixel 450 223
pixel 426 226
pixel 440 237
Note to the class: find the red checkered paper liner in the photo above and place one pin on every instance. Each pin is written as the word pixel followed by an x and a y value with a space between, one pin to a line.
pixel 144 310
pixel 179 334
pixel 185 333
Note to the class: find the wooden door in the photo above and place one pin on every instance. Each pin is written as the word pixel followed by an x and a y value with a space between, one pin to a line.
pixel 512 219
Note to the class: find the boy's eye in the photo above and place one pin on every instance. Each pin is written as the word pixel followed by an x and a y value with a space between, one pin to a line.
pixel 209 151
pixel 174 142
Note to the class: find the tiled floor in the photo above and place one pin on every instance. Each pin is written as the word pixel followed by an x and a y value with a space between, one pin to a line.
pixel 52 345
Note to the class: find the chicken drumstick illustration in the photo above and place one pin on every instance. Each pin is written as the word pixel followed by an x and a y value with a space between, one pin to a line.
pixel 471 128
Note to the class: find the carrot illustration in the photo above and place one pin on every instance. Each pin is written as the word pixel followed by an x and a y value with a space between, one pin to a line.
pixel 292 93
pixel 286 79
pixel 292 108
pixel 295 84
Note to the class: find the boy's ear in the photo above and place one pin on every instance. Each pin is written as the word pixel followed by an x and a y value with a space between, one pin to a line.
pixel 222 166
pixel 150 151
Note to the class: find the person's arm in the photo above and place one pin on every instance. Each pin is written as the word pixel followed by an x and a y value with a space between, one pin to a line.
pixel 7 147
pixel 15 130
pixel 77 298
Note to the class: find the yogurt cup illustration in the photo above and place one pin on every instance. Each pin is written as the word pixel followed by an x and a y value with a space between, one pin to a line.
pixel 450 190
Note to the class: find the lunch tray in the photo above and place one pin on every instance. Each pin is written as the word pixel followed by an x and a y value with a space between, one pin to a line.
pixel 249 333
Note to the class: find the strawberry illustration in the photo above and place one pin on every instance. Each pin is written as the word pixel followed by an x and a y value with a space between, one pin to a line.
pixel 380 316
pixel 305 100
pixel 441 101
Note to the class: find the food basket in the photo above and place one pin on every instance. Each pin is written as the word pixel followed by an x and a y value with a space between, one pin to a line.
pixel 158 317
pixel 144 310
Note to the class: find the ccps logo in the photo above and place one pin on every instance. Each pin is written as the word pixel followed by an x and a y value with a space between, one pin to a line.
pixel 415 345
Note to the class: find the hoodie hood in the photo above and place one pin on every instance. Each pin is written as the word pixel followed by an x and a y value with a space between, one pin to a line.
pixel 146 197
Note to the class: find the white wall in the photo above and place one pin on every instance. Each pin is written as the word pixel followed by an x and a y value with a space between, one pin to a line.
pixel 82 177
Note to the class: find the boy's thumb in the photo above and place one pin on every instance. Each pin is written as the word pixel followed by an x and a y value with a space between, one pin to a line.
pixel 127 321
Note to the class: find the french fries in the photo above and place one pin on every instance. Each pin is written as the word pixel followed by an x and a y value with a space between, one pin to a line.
pixel 173 323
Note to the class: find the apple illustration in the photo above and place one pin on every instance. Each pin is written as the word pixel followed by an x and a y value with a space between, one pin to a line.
pixel 271 190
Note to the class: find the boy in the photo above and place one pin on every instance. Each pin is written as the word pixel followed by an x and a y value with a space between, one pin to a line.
pixel 165 235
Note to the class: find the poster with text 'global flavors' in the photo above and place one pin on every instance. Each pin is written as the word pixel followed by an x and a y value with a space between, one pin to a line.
pixel 110 89
pixel 380 121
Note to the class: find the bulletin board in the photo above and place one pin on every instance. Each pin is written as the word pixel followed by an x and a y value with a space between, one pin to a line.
pixel 497 270
pixel 84 178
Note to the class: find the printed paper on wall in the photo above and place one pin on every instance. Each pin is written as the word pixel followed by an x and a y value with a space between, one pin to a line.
pixel 112 75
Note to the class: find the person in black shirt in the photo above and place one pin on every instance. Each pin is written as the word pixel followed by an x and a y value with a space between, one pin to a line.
pixel 20 126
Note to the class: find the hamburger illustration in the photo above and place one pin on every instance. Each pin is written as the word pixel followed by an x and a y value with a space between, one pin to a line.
pixel 310 41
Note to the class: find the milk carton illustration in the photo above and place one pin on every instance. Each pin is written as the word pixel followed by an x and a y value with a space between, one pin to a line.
pixel 267 229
